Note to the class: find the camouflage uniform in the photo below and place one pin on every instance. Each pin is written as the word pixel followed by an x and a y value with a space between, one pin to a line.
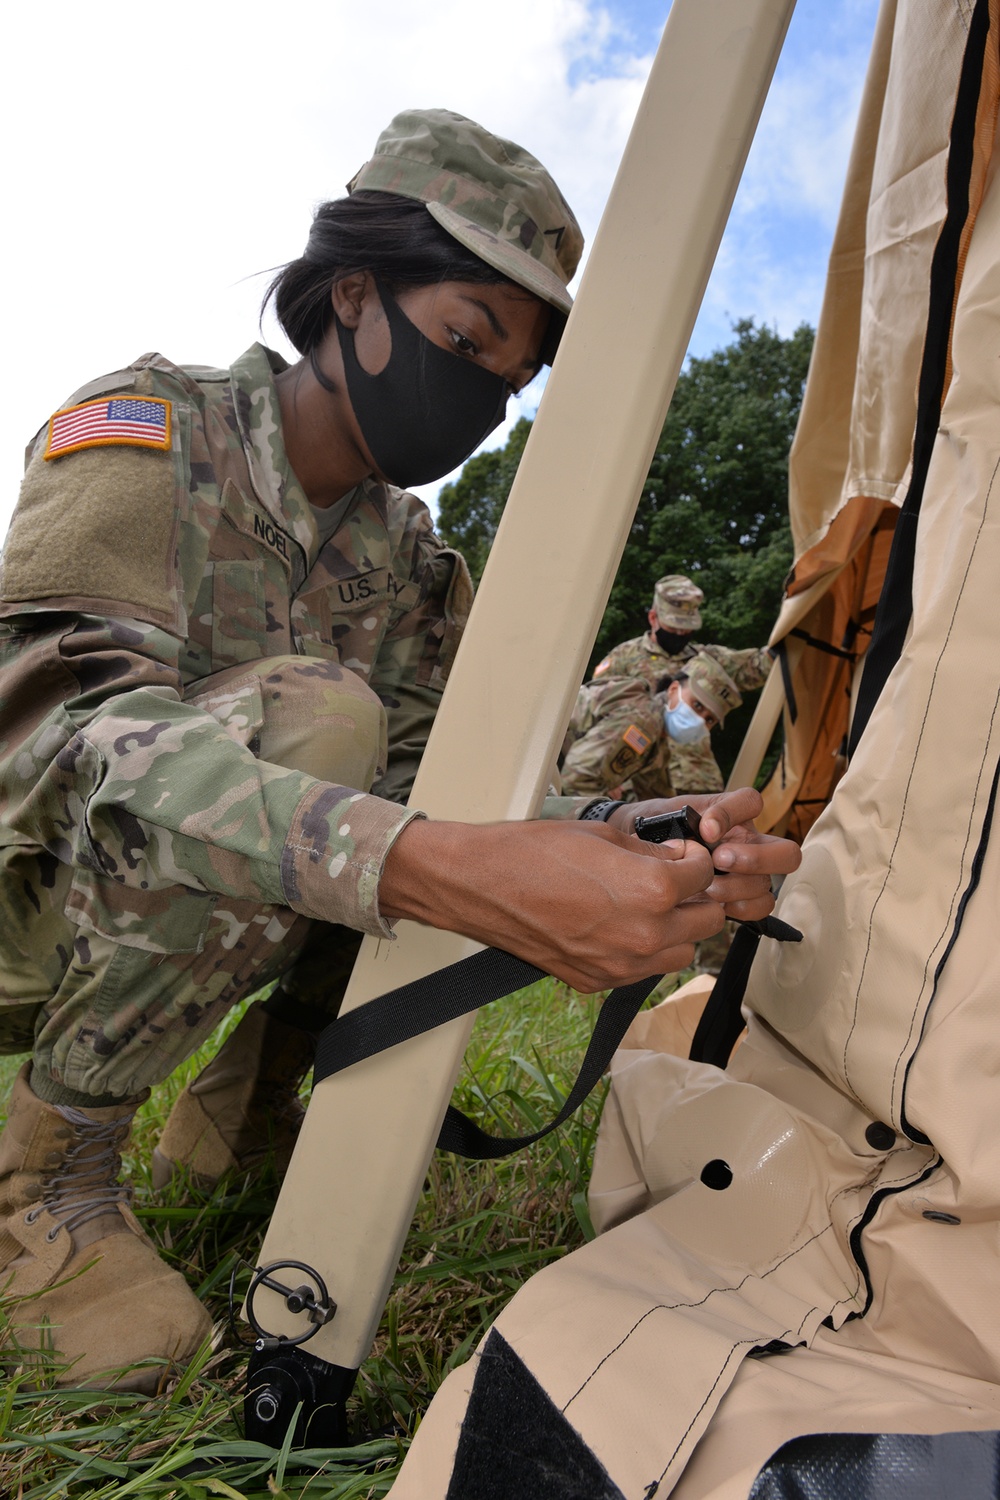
pixel 616 730
pixel 644 658
pixel 688 768
pixel 619 743
pixel 198 693
pixel 676 600
pixel 201 679
pixel 156 864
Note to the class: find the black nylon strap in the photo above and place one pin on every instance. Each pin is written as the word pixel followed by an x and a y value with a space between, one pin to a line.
pixel 722 1019
pixel 781 652
pixel 414 1008
pixel 895 605
pixel 464 1136
pixel 817 645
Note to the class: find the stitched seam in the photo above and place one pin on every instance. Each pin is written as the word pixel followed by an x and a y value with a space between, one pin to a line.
pixel 914 1177
pixel 940 968
pixel 677 1306
pixel 680 1442
pixel 906 794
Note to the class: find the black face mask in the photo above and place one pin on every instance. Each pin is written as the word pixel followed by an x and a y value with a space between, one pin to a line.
pixel 672 643
pixel 427 410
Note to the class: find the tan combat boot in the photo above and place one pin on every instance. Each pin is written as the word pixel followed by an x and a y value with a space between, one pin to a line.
pixel 243 1108
pixel 77 1274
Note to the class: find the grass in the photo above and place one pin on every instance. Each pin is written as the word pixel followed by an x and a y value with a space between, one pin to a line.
pixel 481 1229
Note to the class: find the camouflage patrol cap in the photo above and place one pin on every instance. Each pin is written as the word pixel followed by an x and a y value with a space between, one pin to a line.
pixel 712 685
pixel 676 600
pixel 492 196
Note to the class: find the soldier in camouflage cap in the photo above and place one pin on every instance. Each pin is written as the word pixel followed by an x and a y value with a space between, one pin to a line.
pixel 224 633
pixel 622 734
pixel 666 650
pixel 491 195
pixel 709 689
pixel 676 603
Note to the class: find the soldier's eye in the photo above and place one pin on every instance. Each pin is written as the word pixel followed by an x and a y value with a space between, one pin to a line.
pixel 461 344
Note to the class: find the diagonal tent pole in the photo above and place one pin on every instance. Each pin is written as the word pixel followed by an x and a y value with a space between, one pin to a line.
pixel 352 1187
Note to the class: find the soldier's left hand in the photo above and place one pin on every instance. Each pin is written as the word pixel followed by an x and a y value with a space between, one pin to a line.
pixel 744 859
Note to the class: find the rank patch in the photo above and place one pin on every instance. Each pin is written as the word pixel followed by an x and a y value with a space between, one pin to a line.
pixel 132 421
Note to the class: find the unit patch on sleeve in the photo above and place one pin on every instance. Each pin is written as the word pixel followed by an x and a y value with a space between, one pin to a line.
pixel 130 421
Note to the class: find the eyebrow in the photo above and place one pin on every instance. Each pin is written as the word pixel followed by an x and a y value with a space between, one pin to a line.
pixel 490 315
pixel 534 365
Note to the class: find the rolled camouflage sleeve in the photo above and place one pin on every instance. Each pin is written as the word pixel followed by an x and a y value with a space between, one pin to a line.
pixel 748 669
pixel 116 774
pixel 333 856
pixel 564 809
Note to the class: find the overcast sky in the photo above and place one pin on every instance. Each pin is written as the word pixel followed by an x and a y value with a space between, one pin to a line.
pixel 160 160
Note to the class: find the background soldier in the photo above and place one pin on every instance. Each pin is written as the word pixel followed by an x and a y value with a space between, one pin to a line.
pixel 625 735
pixel 666 650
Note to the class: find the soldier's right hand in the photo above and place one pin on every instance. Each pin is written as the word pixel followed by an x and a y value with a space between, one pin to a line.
pixel 591 905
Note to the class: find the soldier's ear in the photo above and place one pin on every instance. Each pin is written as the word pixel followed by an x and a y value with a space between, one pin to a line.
pixel 654 623
pixel 348 296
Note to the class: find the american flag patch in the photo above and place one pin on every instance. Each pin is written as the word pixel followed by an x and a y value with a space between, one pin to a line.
pixel 634 737
pixel 137 421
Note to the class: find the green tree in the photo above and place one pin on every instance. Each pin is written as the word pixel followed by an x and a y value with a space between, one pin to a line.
pixel 469 510
pixel 714 505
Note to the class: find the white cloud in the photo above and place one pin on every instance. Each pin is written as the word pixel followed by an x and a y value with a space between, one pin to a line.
pixel 772 261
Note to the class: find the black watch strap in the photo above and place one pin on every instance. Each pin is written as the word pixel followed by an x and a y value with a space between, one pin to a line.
pixel 599 812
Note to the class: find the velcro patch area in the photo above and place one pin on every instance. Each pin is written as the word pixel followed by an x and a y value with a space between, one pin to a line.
pixel 634 736
pixel 120 421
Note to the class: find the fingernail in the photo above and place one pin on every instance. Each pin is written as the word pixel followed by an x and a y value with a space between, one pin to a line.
pixel 677 845
pixel 723 858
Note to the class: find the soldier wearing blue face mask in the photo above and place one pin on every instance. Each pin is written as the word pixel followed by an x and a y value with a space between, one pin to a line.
pixel 667 650
pixel 626 734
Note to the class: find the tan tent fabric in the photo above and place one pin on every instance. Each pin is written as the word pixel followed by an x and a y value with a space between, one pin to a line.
pixel 837 1189
pixel 849 467
pixel 617 1185
pixel 671 1025
pixel 826 1388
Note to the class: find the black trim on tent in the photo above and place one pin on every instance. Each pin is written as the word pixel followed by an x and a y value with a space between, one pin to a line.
pixel 874 1204
pixel 895 606
pixel 721 1022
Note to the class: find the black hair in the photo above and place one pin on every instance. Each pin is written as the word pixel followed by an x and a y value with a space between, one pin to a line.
pixel 392 236
pixel 662 683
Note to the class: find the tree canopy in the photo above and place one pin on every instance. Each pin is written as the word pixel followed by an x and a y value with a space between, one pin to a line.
pixel 714 505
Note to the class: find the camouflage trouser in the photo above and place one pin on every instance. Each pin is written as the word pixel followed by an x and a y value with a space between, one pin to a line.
pixel 110 987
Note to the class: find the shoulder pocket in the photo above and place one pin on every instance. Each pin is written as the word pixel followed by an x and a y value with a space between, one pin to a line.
pixel 239 625
pixel 445 635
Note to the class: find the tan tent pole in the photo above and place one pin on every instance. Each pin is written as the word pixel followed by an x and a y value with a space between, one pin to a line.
pixel 352 1187
pixel 758 735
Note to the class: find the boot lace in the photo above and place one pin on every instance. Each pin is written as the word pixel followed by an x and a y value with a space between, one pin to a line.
pixel 85 1186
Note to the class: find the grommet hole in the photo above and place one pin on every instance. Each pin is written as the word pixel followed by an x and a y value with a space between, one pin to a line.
pixel 717 1175
pixel 940 1218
